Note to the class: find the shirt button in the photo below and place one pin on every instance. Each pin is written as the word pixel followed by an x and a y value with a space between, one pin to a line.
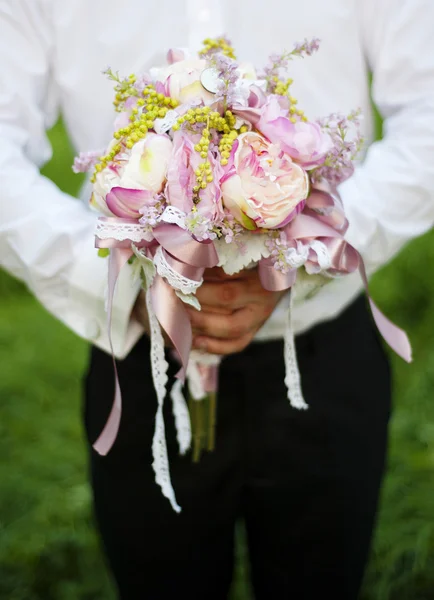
pixel 92 330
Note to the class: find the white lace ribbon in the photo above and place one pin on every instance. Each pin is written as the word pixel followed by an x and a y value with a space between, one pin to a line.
pixel 174 279
pixel 135 232
pixel 173 215
pixel 323 255
pixel 159 374
pixel 292 373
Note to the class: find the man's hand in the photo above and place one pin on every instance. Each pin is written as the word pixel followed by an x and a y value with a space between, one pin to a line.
pixel 233 309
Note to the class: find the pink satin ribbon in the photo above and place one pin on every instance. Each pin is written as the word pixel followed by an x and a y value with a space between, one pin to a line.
pixel 344 258
pixel 182 246
pixel 322 219
pixel 274 280
pixel 173 318
pixel 186 256
pixel 209 376
pixel 117 259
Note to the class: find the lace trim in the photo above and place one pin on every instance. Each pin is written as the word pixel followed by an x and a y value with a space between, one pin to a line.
pixel 174 279
pixel 292 373
pixel 121 231
pixel 182 417
pixel 174 215
pixel 322 253
pixel 296 257
pixel 159 374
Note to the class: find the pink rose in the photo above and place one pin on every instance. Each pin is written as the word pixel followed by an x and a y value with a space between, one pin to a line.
pixel 263 187
pixel 181 178
pixel 122 189
pixel 306 143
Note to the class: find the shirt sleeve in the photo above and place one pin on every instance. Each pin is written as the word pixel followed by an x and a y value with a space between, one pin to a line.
pixel 390 198
pixel 46 236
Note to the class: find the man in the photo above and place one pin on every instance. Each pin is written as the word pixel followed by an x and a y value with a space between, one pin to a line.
pixel 305 483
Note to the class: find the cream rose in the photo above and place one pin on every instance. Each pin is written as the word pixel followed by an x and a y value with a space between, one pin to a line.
pixel 263 187
pixel 122 189
pixel 182 80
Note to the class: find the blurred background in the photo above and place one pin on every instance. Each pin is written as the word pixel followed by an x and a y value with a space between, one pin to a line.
pixel 48 546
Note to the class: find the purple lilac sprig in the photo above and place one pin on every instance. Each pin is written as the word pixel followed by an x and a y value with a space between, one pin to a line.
pixel 306 48
pixel 227 71
pixel 200 226
pixel 279 62
pixel 228 228
pixel 150 216
pixel 152 212
pixel 286 256
pixel 86 161
pixel 141 82
pixel 347 140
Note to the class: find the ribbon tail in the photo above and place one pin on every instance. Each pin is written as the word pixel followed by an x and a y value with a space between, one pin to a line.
pixel 393 335
pixel 159 374
pixel 274 280
pixel 292 373
pixel 173 318
pixel 182 417
pixel 117 259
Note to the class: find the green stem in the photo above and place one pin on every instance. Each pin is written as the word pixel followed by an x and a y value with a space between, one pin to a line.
pixel 212 410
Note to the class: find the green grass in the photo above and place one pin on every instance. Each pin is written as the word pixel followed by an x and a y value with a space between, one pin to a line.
pixel 48 548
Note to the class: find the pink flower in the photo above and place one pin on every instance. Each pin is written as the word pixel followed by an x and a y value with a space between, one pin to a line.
pixel 182 81
pixel 306 143
pixel 176 55
pixel 127 203
pixel 123 188
pixel 263 187
pixel 147 166
pixel 86 161
pixel 181 179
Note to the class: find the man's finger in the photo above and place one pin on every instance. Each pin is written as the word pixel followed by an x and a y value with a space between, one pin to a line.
pixel 207 308
pixel 232 294
pixel 221 347
pixel 220 326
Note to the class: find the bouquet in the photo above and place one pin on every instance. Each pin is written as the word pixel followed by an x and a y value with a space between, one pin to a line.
pixel 213 164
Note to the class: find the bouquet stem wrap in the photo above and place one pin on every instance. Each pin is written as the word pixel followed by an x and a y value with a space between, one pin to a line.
pixel 202 375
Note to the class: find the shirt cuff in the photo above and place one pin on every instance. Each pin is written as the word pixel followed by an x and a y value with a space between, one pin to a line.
pixel 364 232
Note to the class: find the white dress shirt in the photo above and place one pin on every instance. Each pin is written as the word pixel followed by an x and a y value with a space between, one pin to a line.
pixel 52 53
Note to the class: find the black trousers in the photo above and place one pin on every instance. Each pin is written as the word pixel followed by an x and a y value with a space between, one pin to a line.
pixel 306 483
